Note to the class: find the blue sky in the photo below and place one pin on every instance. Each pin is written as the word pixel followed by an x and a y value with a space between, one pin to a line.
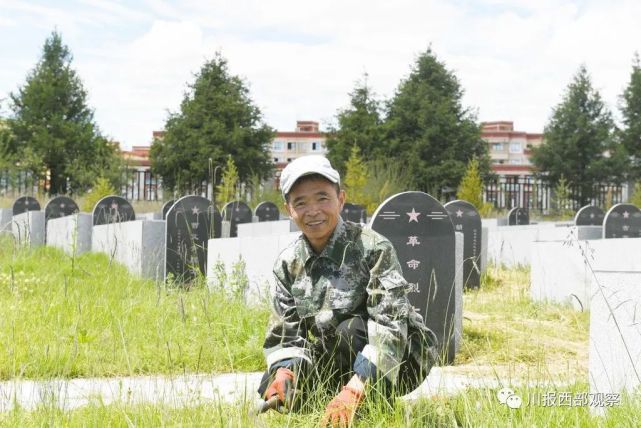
pixel 514 58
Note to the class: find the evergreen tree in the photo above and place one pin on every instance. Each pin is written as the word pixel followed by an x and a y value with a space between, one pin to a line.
pixel 578 142
pixel 428 129
pixel 226 190
pixel 216 119
pixel 359 125
pixel 356 178
pixel 471 188
pixel 52 131
pixel 630 106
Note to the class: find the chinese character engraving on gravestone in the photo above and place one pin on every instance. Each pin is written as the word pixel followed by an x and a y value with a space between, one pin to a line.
pixel 112 209
pixel 466 219
pixel 622 221
pixel 190 223
pixel 423 236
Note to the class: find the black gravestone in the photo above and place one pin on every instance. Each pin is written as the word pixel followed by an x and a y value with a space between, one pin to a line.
pixel 589 215
pixel 467 219
pixel 165 208
pixel 191 222
pixel 24 204
pixel 267 211
pixel 60 206
pixel 355 213
pixel 518 217
pixel 423 236
pixel 236 212
pixel 622 221
pixel 112 209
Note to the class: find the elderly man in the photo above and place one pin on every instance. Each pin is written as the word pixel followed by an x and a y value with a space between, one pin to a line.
pixel 341 315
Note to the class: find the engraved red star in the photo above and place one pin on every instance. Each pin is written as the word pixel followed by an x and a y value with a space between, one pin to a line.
pixel 413 216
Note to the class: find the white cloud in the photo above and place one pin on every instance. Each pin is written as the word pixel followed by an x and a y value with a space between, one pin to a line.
pixel 514 58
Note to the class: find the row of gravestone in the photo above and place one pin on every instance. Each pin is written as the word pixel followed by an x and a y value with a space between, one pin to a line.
pixel 621 221
pixel 420 228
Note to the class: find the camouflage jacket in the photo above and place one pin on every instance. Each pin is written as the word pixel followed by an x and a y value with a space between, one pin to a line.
pixel 357 274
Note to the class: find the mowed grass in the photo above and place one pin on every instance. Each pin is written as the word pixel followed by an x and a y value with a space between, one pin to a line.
pixel 505 332
pixel 471 408
pixel 86 317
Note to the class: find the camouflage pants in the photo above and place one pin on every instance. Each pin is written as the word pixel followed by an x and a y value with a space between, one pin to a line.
pixel 334 356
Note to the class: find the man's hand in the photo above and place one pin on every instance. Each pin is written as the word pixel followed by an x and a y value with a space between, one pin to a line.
pixel 341 410
pixel 280 386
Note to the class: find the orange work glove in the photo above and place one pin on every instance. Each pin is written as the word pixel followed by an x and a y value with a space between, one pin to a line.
pixel 281 384
pixel 341 410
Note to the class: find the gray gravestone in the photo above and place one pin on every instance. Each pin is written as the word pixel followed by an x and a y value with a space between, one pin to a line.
pixel 423 236
pixel 165 208
pixel 60 206
pixel 622 221
pixel 24 204
pixel 354 213
pixel 190 223
pixel 518 217
pixel 589 215
pixel 267 211
pixel 466 219
pixel 236 212
pixel 112 209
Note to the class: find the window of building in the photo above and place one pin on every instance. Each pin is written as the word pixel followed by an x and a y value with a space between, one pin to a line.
pixel 515 161
pixel 289 160
pixel 291 146
pixel 277 146
pixel 314 146
pixel 275 160
pixel 497 147
pixel 515 148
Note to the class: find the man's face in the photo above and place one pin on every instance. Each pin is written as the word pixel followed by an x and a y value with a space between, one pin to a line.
pixel 315 207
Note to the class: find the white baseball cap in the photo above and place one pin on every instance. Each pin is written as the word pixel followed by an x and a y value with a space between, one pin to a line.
pixel 306 165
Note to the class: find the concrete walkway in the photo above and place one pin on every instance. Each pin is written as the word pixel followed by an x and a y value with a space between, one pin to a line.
pixel 183 391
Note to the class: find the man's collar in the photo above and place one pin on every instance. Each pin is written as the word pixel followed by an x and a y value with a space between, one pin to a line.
pixel 334 248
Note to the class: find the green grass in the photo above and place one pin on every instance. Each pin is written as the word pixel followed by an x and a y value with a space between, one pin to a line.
pixel 471 408
pixel 505 332
pixel 85 317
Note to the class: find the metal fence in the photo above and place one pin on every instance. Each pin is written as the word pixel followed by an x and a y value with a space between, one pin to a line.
pixel 142 185
pixel 507 192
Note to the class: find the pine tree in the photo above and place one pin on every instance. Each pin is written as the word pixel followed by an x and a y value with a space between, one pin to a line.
pixel 630 106
pixel 471 188
pixel 578 142
pixel 356 178
pixel 101 188
pixel 429 131
pixel 217 118
pixel 359 125
pixel 52 129
pixel 226 190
